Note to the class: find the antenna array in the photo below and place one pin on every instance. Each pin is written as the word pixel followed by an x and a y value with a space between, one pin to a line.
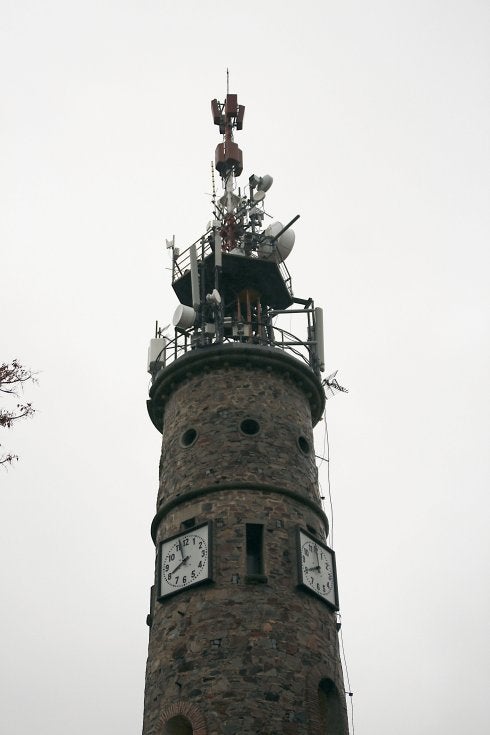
pixel 232 282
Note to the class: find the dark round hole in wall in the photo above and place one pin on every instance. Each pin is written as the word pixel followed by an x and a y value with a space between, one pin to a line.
pixel 304 445
pixel 250 427
pixel 188 438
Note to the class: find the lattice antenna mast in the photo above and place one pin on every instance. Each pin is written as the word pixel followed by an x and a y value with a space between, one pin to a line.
pixel 228 115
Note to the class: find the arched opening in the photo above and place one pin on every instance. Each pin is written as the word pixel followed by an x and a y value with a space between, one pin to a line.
pixel 178 725
pixel 332 716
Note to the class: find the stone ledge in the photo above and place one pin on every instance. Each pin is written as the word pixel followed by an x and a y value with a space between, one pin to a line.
pixel 254 487
pixel 237 354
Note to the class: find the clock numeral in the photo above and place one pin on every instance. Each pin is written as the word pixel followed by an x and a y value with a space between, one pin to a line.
pixel 184 580
pixel 171 557
pixel 185 542
pixel 193 574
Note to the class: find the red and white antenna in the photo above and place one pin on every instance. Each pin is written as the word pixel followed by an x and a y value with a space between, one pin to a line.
pixel 228 115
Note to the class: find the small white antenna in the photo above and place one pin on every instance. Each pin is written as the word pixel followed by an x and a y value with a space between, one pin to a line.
pixel 194 276
pixel 160 331
pixel 214 297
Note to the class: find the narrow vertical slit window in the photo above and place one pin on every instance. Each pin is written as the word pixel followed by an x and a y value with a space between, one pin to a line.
pixel 255 555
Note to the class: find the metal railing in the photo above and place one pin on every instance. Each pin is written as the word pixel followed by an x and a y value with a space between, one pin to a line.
pixel 181 263
pixel 269 335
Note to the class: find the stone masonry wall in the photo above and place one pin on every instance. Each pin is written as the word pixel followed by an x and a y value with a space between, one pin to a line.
pixel 214 404
pixel 245 655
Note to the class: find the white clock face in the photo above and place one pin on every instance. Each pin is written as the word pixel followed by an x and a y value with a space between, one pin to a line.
pixel 184 560
pixel 317 570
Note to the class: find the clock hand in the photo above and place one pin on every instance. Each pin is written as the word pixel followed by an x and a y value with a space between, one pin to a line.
pixel 180 549
pixel 184 561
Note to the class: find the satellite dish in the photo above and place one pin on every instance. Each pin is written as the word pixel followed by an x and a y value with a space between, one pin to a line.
pixel 265 183
pixel 266 251
pixel 274 229
pixel 184 317
pixel 258 195
pixel 285 245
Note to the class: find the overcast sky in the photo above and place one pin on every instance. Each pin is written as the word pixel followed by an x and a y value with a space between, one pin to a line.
pixel 373 119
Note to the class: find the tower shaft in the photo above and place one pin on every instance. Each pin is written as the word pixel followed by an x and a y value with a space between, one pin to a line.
pixel 250 652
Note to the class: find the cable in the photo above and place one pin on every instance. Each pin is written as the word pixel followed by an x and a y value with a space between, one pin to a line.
pixel 325 457
pixel 349 692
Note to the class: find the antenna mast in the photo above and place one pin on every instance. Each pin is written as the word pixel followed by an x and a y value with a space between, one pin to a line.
pixel 228 157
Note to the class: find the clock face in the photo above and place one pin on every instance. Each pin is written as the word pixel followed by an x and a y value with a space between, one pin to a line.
pixel 317 568
pixel 184 560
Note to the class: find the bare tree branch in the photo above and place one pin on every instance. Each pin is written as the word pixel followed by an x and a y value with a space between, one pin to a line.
pixel 9 458
pixel 8 417
pixel 13 376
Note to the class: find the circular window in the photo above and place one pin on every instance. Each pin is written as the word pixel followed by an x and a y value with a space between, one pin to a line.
pixel 250 427
pixel 304 445
pixel 188 438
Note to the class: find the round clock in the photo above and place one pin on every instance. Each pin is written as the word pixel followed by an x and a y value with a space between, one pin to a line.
pixel 316 568
pixel 184 560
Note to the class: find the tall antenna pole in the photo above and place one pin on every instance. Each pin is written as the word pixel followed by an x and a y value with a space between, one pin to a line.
pixel 228 115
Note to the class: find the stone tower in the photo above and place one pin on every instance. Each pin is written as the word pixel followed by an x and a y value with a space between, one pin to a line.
pixel 243 624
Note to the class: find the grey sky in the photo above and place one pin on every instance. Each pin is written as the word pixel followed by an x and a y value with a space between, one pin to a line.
pixel 373 119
